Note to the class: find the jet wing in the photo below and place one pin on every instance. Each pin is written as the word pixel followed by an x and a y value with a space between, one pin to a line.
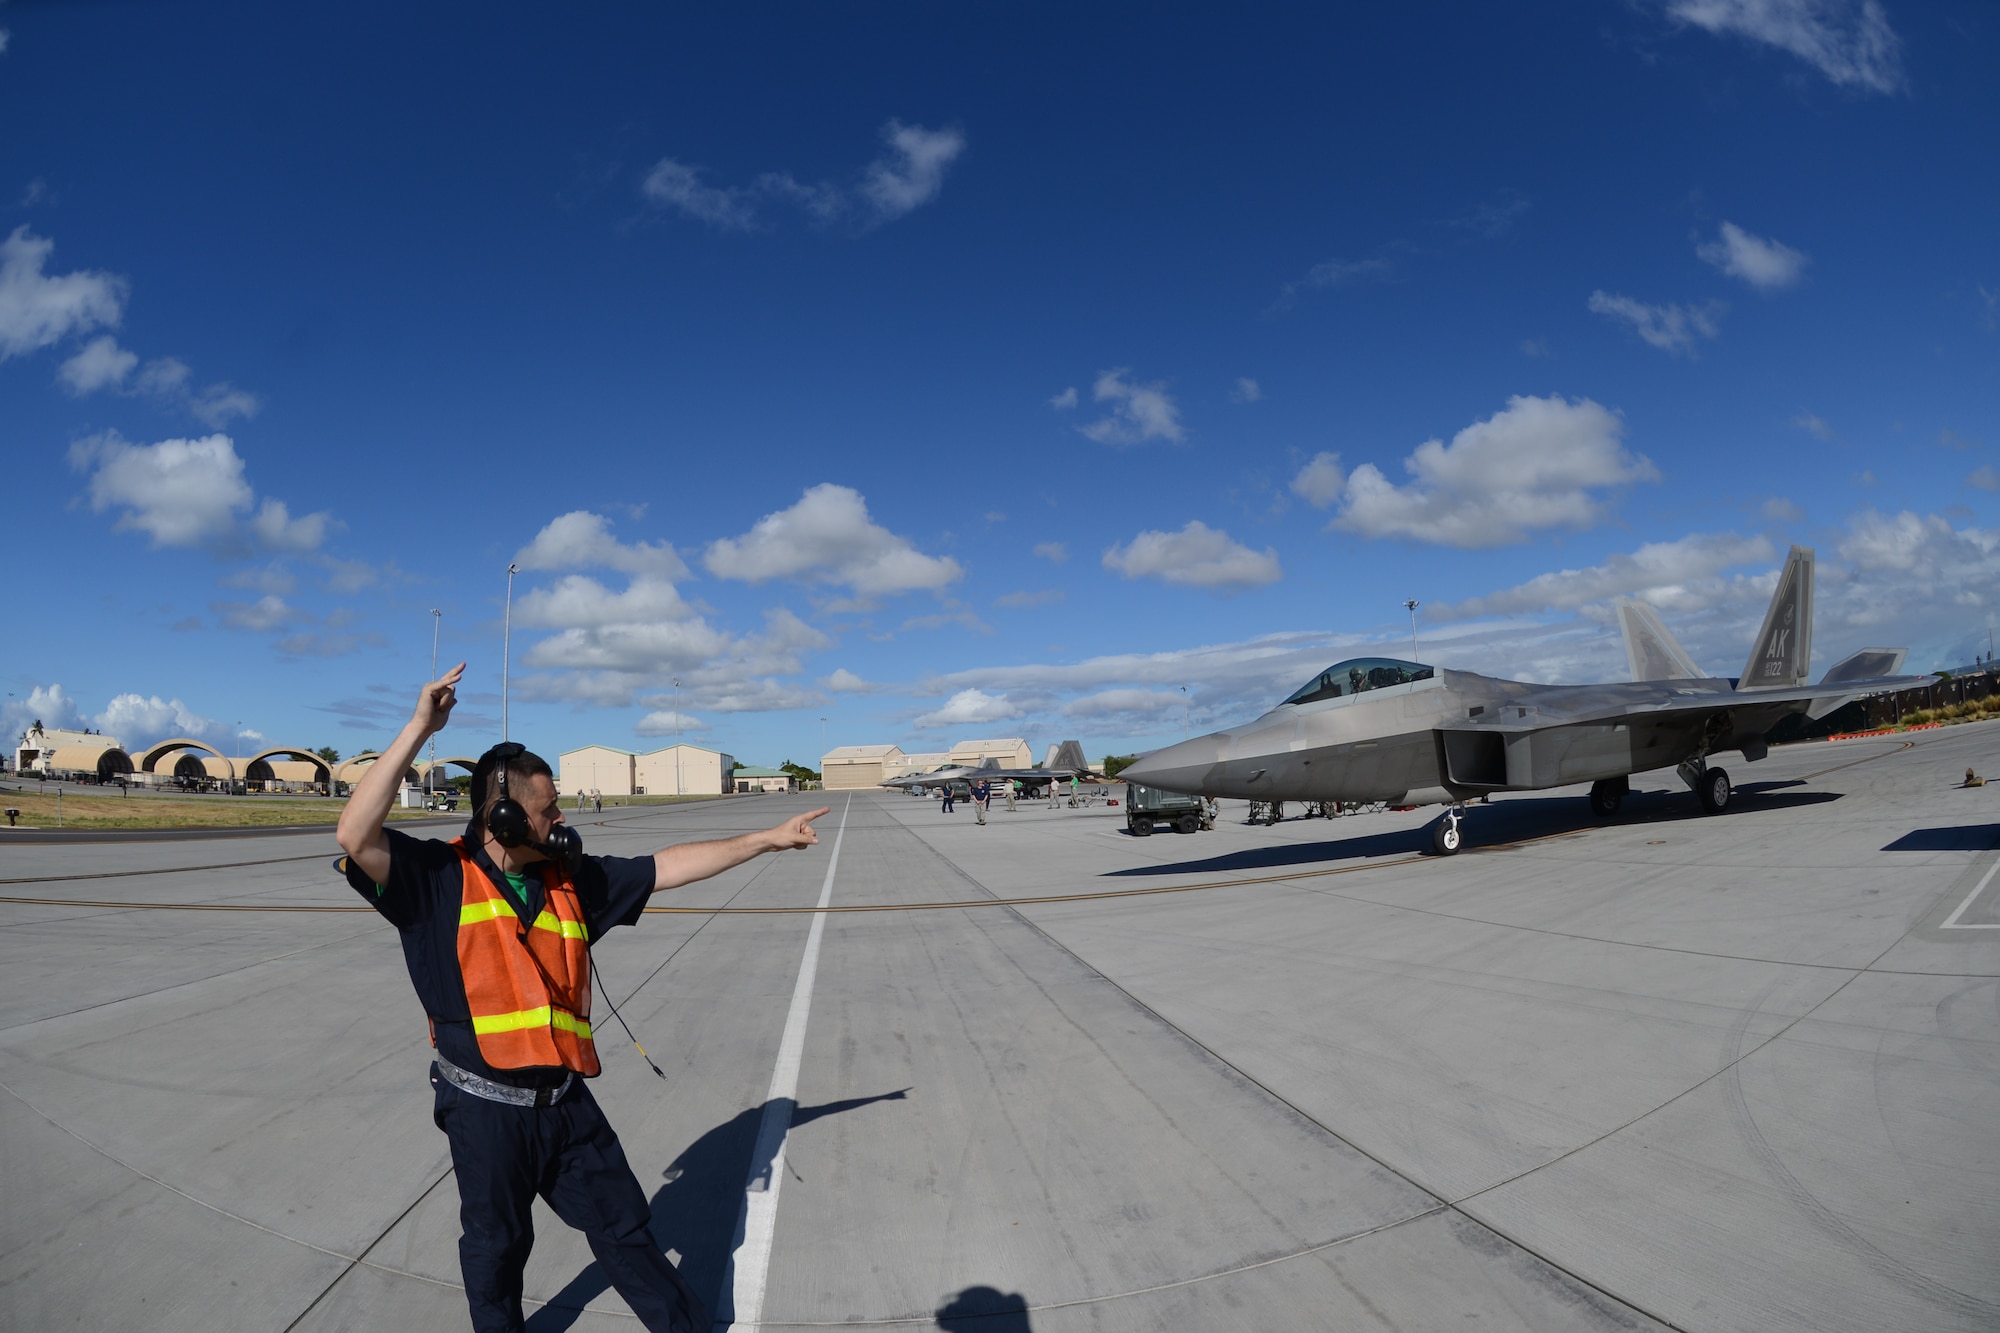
pixel 1571 705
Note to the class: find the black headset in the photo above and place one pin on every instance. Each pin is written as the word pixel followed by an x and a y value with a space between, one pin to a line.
pixel 508 822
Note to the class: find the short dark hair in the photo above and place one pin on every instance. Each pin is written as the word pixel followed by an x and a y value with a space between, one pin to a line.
pixel 522 765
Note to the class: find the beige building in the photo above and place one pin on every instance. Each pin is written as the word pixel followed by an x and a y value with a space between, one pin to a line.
pixel 921 763
pixel 1012 753
pixel 36 750
pixel 599 770
pixel 684 770
pixel 751 779
pixel 853 767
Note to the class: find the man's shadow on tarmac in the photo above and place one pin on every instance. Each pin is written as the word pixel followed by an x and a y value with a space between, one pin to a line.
pixel 695 1212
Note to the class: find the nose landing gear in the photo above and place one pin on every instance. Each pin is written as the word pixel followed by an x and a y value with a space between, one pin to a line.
pixel 1446 835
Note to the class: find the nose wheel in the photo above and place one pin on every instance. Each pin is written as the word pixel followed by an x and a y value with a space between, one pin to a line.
pixel 1448 834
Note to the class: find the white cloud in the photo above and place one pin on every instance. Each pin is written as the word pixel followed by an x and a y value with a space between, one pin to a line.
pixel 47 704
pixel 1780 510
pixel 828 537
pixel 180 492
pixel 1197 556
pixel 970 708
pixel 1053 552
pixel 1817 427
pixel 1125 703
pixel 1538 463
pixel 38 310
pixel 1673 576
pixel 583 540
pixel 672 184
pixel 1065 400
pixel 843 681
pixel 1320 482
pixel 1246 390
pixel 1767 265
pixel 268 612
pixel 1538 348
pixel 218 404
pixel 1984 478
pixel 644 649
pixel 908 176
pixel 276 529
pixel 272 578
pixel 955 613
pixel 668 723
pixel 580 602
pixel 188 493
pixel 1849 41
pixel 101 364
pixel 601 659
pixel 139 721
pixel 913 172
pixel 1139 412
pixel 1671 328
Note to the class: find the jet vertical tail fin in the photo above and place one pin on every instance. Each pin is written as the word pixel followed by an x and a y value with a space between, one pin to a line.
pixel 1782 651
pixel 1069 755
pixel 1650 648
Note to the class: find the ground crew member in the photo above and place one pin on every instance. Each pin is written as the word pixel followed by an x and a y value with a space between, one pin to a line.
pixel 1013 787
pixel 497 926
pixel 981 794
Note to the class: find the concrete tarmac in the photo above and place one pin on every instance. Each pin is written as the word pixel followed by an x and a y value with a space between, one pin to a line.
pixel 1737 1072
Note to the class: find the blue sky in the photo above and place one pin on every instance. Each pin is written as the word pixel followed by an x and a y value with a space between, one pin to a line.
pixel 945 371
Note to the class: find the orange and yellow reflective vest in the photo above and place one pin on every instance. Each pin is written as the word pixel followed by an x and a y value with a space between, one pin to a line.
pixel 529 991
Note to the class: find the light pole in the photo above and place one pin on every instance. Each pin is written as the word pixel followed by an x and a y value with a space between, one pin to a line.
pixel 430 774
pixel 822 740
pixel 1187 730
pixel 506 644
pixel 1413 604
pixel 677 735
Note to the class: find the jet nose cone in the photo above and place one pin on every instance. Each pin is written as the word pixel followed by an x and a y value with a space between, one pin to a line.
pixel 1178 767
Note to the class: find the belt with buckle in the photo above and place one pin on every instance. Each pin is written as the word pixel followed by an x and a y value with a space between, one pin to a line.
pixel 467 1081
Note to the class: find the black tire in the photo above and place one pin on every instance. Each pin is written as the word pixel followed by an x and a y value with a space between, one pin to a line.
pixel 1141 828
pixel 1714 791
pixel 1447 835
pixel 1606 796
pixel 1186 824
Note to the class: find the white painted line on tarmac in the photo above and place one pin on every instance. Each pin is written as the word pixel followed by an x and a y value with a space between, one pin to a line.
pixel 1952 923
pixel 750 1264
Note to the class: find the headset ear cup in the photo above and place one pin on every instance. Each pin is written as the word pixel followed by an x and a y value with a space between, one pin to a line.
pixel 565 845
pixel 508 823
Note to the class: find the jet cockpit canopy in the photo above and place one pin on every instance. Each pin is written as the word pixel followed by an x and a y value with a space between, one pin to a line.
pixel 1358 675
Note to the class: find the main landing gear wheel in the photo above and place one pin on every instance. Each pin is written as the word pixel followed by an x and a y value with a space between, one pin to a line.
pixel 1606 796
pixel 1446 835
pixel 1713 790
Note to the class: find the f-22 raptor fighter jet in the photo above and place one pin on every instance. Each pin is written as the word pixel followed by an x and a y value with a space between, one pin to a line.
pixel 1380 729
pixel 1068 763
